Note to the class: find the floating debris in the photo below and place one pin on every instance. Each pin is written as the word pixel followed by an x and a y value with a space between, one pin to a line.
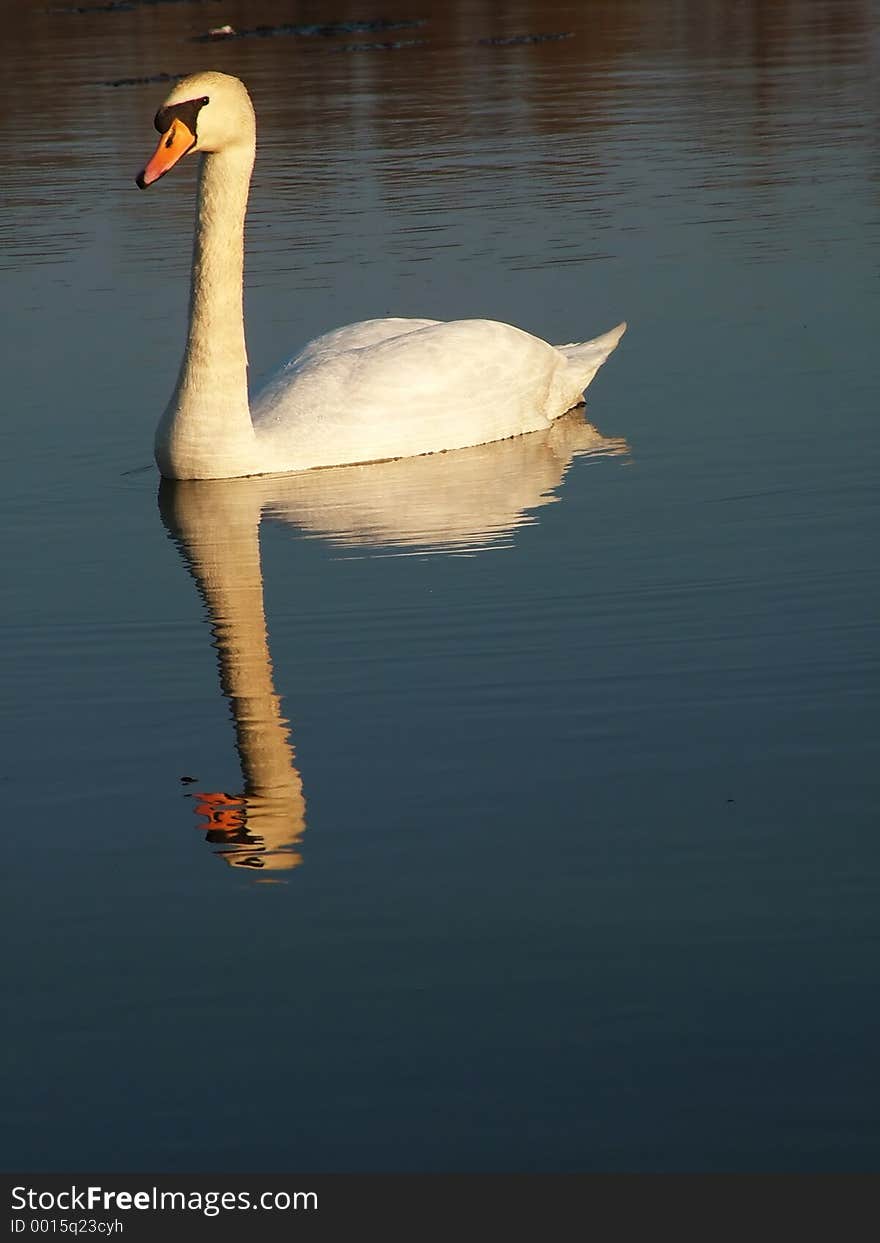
pixel 154 77
pixel 520 40
pixel 323 30
pixel 379 47
pixel 221 32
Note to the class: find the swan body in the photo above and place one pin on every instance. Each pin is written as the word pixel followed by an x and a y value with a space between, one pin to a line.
pixel 384 388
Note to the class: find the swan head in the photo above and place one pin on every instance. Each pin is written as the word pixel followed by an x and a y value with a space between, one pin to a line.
pixel 205 112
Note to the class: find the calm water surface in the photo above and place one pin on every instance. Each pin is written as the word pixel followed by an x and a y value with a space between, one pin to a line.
pixel 510 810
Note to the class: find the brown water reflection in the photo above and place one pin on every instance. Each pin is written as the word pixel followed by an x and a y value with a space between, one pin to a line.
pixel 437 135
pixel 58 60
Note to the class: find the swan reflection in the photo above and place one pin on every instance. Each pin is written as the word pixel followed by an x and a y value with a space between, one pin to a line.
pixel 458 502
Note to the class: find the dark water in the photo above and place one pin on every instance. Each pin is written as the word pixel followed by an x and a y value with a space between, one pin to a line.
pixel 547 834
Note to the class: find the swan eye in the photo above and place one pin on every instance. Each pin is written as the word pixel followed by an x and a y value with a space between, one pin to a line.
pixel 186 111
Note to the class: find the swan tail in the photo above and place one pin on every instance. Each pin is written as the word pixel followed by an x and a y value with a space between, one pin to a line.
pixel 585 358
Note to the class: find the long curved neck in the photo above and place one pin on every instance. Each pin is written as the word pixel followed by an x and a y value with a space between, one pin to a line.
pixel 206 431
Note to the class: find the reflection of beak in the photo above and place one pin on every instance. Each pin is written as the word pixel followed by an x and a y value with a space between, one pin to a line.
pixel 172 145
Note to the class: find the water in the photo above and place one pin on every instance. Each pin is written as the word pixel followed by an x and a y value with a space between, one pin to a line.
pixel 540 833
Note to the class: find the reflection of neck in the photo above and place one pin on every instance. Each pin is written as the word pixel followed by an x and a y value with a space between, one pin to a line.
pixel 220 540
pixel 239 627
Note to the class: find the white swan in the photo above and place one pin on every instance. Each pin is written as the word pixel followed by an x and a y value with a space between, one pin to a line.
pixel 384 388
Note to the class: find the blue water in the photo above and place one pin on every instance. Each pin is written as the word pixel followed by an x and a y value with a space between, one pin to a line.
pixel 567 855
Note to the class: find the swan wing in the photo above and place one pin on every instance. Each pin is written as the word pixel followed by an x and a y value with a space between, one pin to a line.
pixel 356 337
pixel 407 392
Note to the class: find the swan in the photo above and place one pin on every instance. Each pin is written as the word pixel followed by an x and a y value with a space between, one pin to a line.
pixel 376 390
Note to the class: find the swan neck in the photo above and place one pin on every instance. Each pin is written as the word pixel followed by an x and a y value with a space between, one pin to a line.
pixel 216 312
pixel 206 431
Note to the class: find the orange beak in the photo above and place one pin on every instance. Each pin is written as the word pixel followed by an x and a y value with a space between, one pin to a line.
pixel 172 146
